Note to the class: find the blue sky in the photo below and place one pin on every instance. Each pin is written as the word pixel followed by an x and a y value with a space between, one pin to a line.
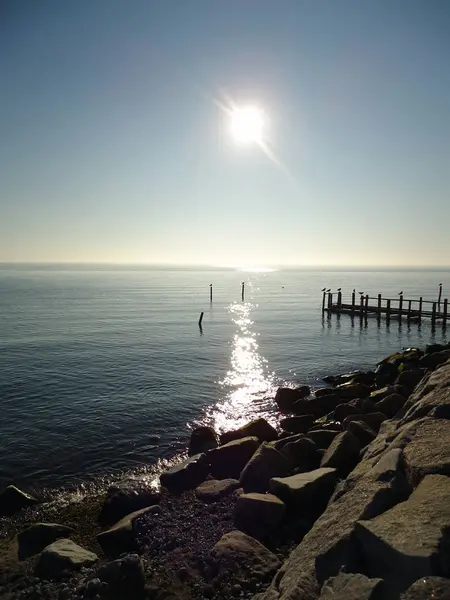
pixel 114 149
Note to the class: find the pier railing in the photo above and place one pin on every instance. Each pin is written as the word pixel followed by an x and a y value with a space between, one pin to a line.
pixel 364 305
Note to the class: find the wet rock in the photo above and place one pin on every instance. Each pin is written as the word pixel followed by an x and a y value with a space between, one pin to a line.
pixel 350 390
pixel 258 514
pixel 186 475
pixel 323 392
pixel 126 497
pixel 317 407
pixel 297 424
pixel 305 489
pixel 429 451
pixel 38 536
pixel 202 440
pixel 432 361
pixel 381 393
pixel 362 432
pixel 343 453
pixel 432 348
pixel 373 420
pixel 427 588
pixel 390 405
pixel 122 537
pixel 259 428
pixel 240 553
pixel 285 439
pixel 12 500
pixel 411 539
pixel 265 463
pixel 302 454
pixel 285 397
pixel 228 461
pixel 410 378
pixel 323 438
pixel 125 577
pixel 353 586
pixel 344 410
pixel 213 490
pixel 62 557
pixel 385 374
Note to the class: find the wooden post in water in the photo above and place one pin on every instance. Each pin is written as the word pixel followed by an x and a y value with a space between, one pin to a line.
pixel 200 320
pixel 366 305
pixel 339 299
pixel 379 303
pixel 433 317
pixel 388 309
pixel 400 307
pixel 440 295
pixel 361 308
pixel 444 316
pixel 409 310
pixel 210 292
pixel 330 301
pixel 353 302
pixel 420 309
pixel 243 291
pixel 323 302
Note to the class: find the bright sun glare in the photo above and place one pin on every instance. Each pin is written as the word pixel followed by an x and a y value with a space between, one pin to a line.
pixel 247 125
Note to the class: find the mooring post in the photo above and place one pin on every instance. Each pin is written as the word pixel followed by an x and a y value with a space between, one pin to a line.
pixel 353 302
pixel 409 310
pixel 323 302
pixel 210 292
pixel 361 308
pixel 200 320
pixel 388 309
pixel 440 295
pixel 400 307
pixel 330 301
pixel 339 300
pixel 379 303
pixel 433 317
pixel 366 306
pixel 243 291
pixel 444 316
pixel 420 308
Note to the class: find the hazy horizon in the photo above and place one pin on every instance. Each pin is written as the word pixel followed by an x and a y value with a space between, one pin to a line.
pixel 120 150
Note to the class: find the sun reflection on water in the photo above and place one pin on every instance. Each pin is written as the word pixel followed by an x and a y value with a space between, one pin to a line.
pixel 248 383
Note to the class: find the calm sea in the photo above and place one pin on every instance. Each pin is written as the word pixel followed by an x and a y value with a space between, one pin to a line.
pixel 105 370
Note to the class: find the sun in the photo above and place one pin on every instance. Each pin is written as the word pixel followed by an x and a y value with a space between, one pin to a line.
pixel 247 125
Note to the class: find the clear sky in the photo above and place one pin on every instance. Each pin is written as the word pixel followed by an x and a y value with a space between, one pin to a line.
pixel 114 149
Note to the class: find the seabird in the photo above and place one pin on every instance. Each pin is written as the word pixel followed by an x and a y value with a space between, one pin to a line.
pixel 339 289
pixel 360 293
pixel 324 289
pixel 328 290
pixel 400 293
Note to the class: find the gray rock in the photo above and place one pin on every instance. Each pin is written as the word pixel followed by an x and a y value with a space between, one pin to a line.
pixel 39 535
pixel 427 588
pixel 202 440
pixel 323 437
pixel 432 361
pixel 62 557
pixel 319 393
pixel 242 554
pixel 353 586
pixel 429 451
pixel 302 454
pixel 390 405
pixel 285 397
pixel 411 539
pixel 259 428
pixel 362 432
pixel 126 497
pixel 343 454
pixel 265 463
pixel 380 393
pixel 286 439
pixel 228 461
pixel 344 410
pixel 350 390
pixel 306 490
pixel 318 407
pixel 124 577
pixel 373 420
pixel 122 537
pixel 431 394
pixel 411 378
pixel 213 490
pixel 187 474
pixel 13 500
pixel 258 514
pixel 297 424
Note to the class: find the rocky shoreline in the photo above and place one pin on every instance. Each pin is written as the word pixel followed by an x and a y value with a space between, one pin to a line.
pixel 348 499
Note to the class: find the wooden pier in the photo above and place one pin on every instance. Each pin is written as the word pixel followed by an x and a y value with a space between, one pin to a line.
pixel 414 310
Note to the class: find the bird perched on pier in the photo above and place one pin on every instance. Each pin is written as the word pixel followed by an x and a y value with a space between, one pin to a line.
pixel 339 289
pixel 328 290
pixel 360 293
pixel 324 290
pixel 400 293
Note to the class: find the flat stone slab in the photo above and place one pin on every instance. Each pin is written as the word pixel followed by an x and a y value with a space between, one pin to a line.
pixel 353 586
pixel 228 461
pixel 428 588
pixel 429 450
pixel 186 475
pixel 257 513
pixel 62 557
pixel 240 553
pixel 305 489
pixel 38 536
pixel 122 536
pixel 266 462
pixel 410 540
pixel 215 489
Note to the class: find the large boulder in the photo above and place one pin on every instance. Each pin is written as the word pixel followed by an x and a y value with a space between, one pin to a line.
pixel 202 439
pixel 323 437
pixel 343 454
pixel 213 490
pixel 126 497
pixel 342 411
pixel 61 558
pixel 186 475
pixel 297 424
pixel 390 405
pixel 350 390
pixel 38 536
pixel 263 465
pixel 317 407
pixel 362 432
pixel 13 500
pixel 432 361
pixel 410 378
pixel 122 578
pixel 410 540
pixel 353 586
pixel 428 588
pixel 122 537
pixel 228 461
pixel 259 428
pixel 381 393
pixel 305 490
pixel 373 420
pixel 258 514
pixel 431 397
pixel 285 439
pixel 302 454
pixel 241 554
pixel 429 451
pixel 285 397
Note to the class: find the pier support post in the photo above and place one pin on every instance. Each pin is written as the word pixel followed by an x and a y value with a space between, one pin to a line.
pixel 420 309
pixel 243 291
pixel 444 316
pixel 400 307
pixel 353 302
pixel 339 300
pixel 361 308
pixel 323 302
pixel 433 317
pixel 210 292
pixel 409 310
pixel 388 310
